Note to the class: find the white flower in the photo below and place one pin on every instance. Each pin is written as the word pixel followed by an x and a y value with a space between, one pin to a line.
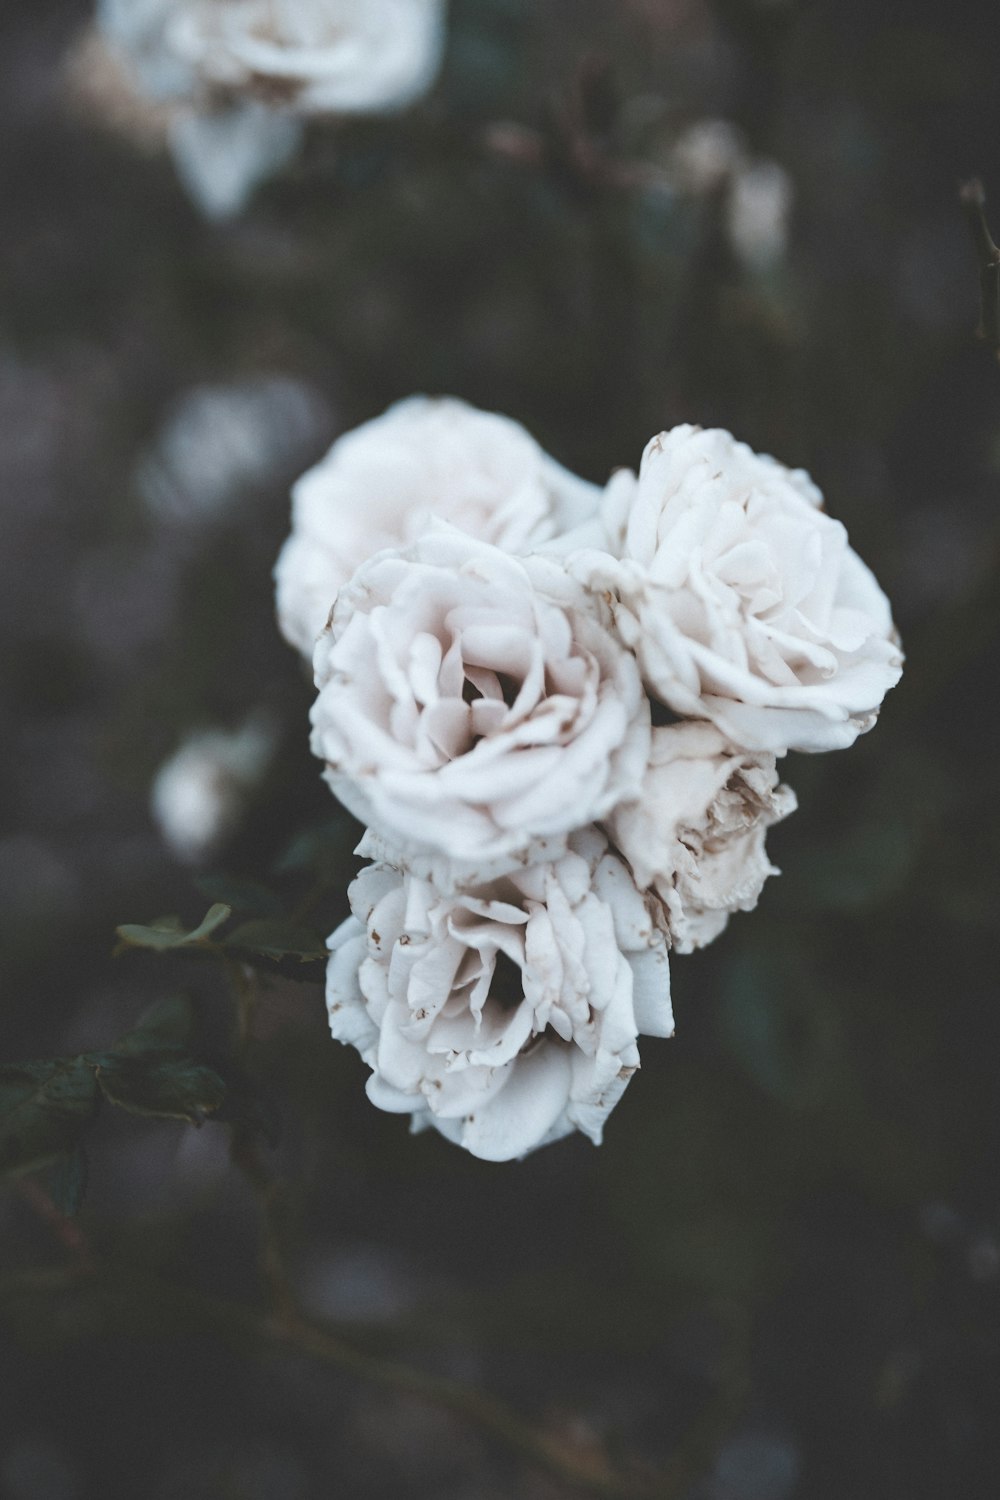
pixel 505 1015
pixel 313 56
pixel 380 484
pixel 695 835
pixel 463 712
pixel 237 76
pixel 200 793
pixel 742 600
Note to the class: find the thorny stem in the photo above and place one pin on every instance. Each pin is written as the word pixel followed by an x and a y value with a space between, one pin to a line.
pixel 127 1299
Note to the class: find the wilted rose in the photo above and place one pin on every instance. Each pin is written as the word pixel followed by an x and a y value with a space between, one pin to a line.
pixel 742 600
pixel 695 835
pixel 505 1015
pixel 380 484
pixel 463 712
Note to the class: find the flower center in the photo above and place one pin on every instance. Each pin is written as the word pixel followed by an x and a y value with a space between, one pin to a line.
pixel 507 984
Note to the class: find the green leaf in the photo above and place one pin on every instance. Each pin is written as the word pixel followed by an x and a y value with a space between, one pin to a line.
pixel 68 1183
pixel 164 1086
pixel 165 1025
pixel 276 940
pixel 44 1109
pixel 167 932
pixel 241 893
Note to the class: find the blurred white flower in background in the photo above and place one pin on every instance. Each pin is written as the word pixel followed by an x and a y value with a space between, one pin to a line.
pixel 743 601
pixel 695 835
pixel 328 57
pixel 463 710
pixel 505 1015
pixel 382 483
pixel 706 154
pixel 758 211
pixel 200 794
pixel 712 156
pixel 218 442
pixel 228 82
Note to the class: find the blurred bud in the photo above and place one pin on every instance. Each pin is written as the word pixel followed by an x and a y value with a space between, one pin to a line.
pixel 760 203
pixel 706 154
pixel 200 794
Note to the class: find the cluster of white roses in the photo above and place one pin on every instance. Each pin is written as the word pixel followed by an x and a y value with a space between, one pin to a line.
pixel 558 710
pixel 234 79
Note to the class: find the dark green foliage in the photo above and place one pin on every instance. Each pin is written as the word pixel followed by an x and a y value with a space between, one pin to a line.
pixel 164 933
pixel 164 1086
pixel 261 937
pixel 47 1107
pixel 277 939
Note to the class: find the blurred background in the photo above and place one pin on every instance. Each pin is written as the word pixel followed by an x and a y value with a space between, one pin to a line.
pixel 779 1279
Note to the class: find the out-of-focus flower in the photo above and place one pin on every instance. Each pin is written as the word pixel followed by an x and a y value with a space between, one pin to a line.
pixel 329 57
pixel 743 601
pixel 712 155
pixel 200 793
pixel 223 155
pixel 757 213
pixel 695 835
pixel 706 154
pixel 505 1015
pixel 220 441
pixel 382 483
pixel 463 711
pixel 235 77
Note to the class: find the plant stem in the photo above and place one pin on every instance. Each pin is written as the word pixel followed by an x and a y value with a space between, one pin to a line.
pixel 130 1300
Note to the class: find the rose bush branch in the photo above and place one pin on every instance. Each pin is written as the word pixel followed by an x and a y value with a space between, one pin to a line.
pixel 119 1298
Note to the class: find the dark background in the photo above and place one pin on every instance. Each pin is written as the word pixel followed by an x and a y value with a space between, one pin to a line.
pixel 781 1273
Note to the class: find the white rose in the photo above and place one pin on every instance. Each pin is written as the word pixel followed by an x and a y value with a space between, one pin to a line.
pixel 743 602
pixel 506 1015
pixel 696 833
pixel 313 56
pixel 379 485
pixel 235 76
pixel 463 712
